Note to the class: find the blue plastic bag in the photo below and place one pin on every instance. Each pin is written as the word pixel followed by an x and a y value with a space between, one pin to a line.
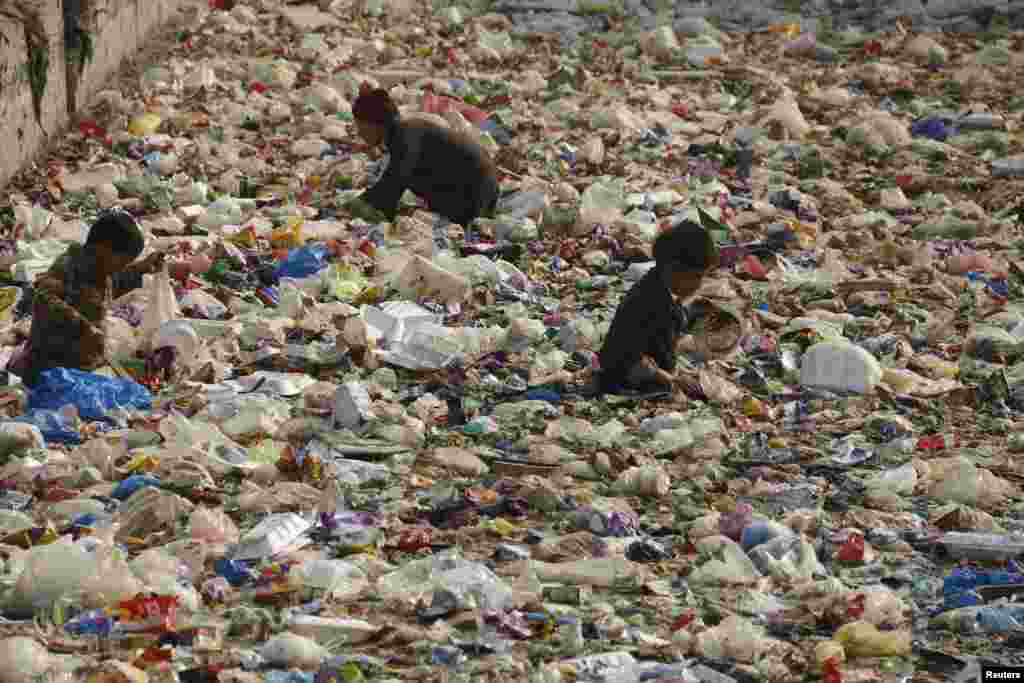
pixel 932 127
pixel 94 396
pixel 303 262
pixel 126 487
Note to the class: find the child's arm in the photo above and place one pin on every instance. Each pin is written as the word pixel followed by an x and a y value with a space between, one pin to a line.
pixel 405 156
pixel 661 375
pixel 151 264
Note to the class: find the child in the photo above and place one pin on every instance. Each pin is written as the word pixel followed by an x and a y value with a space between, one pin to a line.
pixel 454 175
pixel 71 300
pixel 639 352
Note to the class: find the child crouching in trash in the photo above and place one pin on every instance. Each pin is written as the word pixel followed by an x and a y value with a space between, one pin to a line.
pixel 451 172
pixel 639 352
pixel 71 300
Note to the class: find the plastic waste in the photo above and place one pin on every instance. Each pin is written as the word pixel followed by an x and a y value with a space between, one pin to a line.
pixel 290 650
pixel 93 396
pixel 338 579
pixel 303 262
pixel 23 660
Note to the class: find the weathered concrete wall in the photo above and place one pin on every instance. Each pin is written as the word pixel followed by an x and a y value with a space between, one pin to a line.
pixel 21 134
pixel 118 28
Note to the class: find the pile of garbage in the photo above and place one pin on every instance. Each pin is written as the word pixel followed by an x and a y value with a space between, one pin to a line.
pixel 372 454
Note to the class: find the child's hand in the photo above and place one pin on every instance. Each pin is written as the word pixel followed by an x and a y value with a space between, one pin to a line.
pixel 153 263
pixel 647 363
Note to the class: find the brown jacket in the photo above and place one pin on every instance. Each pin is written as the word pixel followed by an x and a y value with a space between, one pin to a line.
pixel 453 174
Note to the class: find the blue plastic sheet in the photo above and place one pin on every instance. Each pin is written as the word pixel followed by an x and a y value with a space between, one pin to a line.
pixel 303 262
pixel 94 396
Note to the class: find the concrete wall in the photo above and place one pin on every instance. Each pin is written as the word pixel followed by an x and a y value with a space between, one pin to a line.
pixel 118 29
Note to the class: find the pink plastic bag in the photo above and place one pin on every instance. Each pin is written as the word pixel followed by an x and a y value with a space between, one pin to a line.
pixel 440 105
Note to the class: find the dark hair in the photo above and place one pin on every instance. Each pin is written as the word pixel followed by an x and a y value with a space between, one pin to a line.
pixel 120 231
pixel 375 106
pixel 686 246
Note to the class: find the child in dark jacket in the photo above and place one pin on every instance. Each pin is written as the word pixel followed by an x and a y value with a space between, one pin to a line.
pixel 639 351
pixel 71 300
pixel 453 174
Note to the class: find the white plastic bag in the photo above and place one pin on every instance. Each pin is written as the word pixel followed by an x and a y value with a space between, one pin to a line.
pixel 161 308
pixel 23 660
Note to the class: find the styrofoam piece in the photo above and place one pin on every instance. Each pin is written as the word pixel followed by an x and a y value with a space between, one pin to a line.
pixel 272 536
pixel 392 319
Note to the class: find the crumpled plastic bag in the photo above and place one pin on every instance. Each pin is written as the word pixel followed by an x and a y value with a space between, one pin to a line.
pixel 303 262
pixel 93 396
pixel 730 565
pixel 470 582
pixel 16 437
pixel 212 526
pixel 959 480
pixel 734 638
pixel 149 510
pixel 290 650
pixel 162 306
pixel 64 567
pixel 338 578
pixel 23 660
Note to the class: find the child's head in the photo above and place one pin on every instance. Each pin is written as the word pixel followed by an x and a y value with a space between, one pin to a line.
pixel 684 254
pixel 116 239
pixel 374 112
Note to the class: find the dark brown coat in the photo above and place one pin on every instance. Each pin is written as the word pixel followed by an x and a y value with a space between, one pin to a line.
pixel 451 172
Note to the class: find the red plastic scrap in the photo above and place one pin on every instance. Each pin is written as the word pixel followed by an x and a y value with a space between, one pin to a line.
pixel 855 608
pixel 414 539
pixel 91 129
pixel 684 620
pixel 831 671
pixel 852 550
